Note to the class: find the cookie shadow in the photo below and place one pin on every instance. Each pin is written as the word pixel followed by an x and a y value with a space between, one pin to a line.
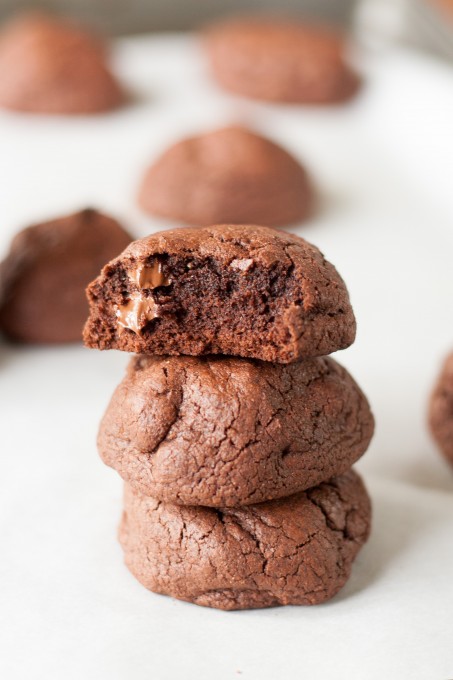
pixel 7 352
pixel 330 202
pixel 395 527
pixel 328 206
pixel 431 474
pixel 136 98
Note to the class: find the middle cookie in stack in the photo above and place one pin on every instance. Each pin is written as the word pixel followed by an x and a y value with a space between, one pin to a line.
pixel 239 490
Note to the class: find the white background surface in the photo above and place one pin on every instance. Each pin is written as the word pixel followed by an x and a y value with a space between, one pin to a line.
pixel 384 167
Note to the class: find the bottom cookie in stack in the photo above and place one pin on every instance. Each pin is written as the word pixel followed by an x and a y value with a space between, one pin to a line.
pixel 297 550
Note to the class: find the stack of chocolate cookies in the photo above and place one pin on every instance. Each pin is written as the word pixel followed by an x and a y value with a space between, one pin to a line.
pixel 233 431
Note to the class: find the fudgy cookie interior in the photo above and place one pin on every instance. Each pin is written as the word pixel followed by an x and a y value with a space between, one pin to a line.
pixel 241 290
pixel 197 306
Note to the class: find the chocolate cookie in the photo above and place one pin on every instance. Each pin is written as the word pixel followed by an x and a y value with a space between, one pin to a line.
pixel 43 278
pixel 281 61
pixel 240 290
pixel 224 431
pixel 298 550
pixel 230 176
pixel 441 410
pixel 48 65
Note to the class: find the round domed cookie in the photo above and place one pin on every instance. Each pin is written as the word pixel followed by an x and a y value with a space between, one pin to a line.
pixel 280 61
pixel 230 289
pixel 44 275
pixel 225 431
pixel 51 66
pixel 229 176
pixel 441 410
pixel 298 550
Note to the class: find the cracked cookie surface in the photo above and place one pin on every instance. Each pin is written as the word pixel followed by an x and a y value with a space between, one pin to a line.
pixel 220 431
pixel 298 550
pixel 237 290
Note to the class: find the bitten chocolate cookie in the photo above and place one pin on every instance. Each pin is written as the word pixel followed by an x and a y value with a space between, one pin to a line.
pixel 43 278
pixel 298 550
pixel 441 410
pixel 280 61
pixel 223 431
pixel 48 65
pixel 230 176
pixel 239 290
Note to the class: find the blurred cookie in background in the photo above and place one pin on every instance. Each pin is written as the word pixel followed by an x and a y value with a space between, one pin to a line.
pixel 446 6
pixel 44 276
pixel 51 66
pixel 229 176
pixel 441 410
pixel 280 60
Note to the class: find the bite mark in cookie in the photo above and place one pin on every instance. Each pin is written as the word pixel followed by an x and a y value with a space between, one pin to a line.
pixel 237 290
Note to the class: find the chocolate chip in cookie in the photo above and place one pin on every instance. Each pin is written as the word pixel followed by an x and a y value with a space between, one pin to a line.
pixel 236 290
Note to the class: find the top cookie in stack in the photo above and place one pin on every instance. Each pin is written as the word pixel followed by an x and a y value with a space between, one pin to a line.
pixel 235 290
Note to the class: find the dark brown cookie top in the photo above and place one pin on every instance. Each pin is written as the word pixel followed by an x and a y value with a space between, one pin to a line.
pixel 280 60
pixel 229 176
pixel 237 290
pixel 441 410
pixel 49 65
pixel 44 275
pixel 298 550
pixel 224 432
